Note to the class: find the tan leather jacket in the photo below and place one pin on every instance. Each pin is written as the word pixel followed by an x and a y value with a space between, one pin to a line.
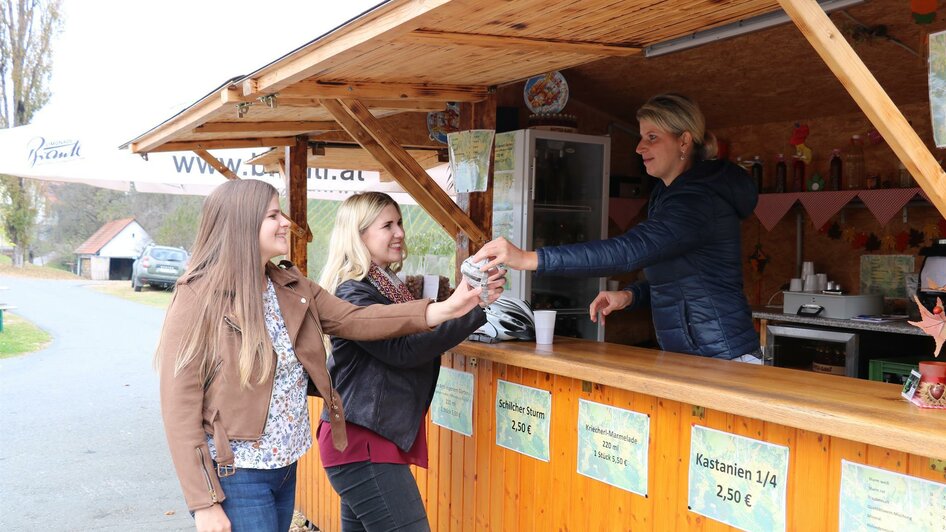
pixel 226 411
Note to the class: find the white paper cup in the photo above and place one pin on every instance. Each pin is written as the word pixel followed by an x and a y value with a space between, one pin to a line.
pixel 822 281
pixel 811 283
pixel 794 285
pixel 431 286
pixel 544 326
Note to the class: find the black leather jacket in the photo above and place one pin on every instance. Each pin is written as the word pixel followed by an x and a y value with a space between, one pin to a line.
pixel 386 386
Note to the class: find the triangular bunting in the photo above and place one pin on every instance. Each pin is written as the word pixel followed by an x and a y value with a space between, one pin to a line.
pixel 623 210
pixel 885 203
pixel 821 206
pixel 772 208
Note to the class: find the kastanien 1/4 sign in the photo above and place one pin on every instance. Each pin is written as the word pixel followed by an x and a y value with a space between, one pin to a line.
pixel 738 481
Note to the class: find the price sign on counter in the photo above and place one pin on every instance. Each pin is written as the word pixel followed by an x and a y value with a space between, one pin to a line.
pixel 452 405
pixel 875 499
pixel 523 419
pixel 613 445
pixel 738 481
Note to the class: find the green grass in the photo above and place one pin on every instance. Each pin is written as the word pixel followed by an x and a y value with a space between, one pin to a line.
pixel 20 336
pixel 148 296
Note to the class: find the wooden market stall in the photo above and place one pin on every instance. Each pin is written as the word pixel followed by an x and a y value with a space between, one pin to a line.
pixel 362 92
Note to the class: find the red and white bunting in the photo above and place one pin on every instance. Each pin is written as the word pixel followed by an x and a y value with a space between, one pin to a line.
pixel 822 206
pixel 772 208
pixel 886 202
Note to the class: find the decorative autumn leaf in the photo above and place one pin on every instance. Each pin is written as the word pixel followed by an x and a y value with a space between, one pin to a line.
pixel 903 241
pixel 834 232
pixel 932 324
pixel 916 238
pixel 860 240
pixel 872 243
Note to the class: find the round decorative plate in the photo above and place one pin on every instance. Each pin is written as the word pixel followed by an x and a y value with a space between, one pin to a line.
pixel 547 93
pixel 440 123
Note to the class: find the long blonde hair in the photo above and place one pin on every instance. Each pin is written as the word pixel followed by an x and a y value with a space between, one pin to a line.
pixel 226 273
pixel 675 114
pixel 348 257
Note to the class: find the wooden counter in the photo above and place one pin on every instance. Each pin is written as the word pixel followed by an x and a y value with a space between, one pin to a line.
pixel 473 484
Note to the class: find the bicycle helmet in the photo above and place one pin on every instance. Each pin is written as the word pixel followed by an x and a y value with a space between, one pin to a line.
pixel 508 318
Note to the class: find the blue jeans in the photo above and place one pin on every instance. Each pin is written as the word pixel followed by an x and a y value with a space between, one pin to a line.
pixel 378 497
pixel 260 500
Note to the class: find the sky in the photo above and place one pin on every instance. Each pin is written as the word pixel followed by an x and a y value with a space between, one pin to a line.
pixel 122 67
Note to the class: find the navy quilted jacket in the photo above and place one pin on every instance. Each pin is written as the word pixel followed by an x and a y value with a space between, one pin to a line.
pixel 690 250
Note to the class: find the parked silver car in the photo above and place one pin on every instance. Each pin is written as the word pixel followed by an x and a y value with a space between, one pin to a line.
pixel 158 266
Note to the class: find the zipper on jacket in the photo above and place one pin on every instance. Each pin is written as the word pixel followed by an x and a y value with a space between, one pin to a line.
pixel 203 468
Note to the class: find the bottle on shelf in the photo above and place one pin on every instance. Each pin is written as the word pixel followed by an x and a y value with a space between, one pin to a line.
pixel 781 174
pixel 798 174
pixel 905 178
pixel 835 181
pixel 757 172
pixel 854 164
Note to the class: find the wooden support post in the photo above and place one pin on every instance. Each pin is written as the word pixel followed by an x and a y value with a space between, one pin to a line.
pixel 358 121
pixel 477 205
pixel 297 162
pixel 844 62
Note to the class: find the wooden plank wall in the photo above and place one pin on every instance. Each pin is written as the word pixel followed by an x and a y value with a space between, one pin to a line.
pixel 473 484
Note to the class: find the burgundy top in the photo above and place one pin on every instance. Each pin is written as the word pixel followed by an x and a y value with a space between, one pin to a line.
pixel 368 446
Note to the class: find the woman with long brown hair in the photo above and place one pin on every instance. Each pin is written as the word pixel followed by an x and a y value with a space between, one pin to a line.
pixel 242 339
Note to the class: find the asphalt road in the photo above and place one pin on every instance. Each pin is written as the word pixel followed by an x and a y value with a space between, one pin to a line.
pixel 81 441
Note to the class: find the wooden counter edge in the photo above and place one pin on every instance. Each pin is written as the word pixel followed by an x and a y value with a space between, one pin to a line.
pixel 864 411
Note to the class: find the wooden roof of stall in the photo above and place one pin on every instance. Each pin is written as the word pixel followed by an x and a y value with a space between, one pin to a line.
pixel 408 55
pixel 370 82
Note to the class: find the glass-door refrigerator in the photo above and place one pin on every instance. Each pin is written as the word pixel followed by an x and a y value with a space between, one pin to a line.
pixel 551 188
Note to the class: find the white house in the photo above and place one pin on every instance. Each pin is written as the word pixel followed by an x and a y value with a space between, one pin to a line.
pixel 109 253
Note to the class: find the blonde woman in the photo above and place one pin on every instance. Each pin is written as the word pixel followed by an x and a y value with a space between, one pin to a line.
pixel 241 340
pixel 386 386
pixel 689 247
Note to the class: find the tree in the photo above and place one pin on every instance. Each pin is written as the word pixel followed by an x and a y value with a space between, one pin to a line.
pixel 26 31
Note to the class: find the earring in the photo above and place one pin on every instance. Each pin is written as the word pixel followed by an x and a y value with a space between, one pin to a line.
pixel 683 156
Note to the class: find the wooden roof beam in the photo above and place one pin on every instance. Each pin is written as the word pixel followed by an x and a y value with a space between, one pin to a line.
pixel 844 62
pixel 358 121
pixel 363 90
pixel 224 144
pixel 392 105
pixel 506 42
pixel 386 21
pixel 300 126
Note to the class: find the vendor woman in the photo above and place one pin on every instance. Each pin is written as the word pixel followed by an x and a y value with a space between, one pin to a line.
pixel 689 247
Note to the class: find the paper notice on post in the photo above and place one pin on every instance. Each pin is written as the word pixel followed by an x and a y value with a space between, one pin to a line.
pixel 469 158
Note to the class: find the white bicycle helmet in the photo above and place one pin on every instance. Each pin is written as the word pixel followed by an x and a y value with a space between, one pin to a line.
pixel 508 318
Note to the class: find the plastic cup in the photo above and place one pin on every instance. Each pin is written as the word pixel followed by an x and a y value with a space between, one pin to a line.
pixel 794 285
pixel 544 326
pixel 431 286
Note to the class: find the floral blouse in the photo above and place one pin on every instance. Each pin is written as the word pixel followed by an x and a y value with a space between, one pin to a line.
pixel 287 434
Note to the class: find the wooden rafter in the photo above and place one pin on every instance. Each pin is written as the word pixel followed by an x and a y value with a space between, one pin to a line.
pixel 447 38
pixel 386 21
pixel 362 90
pixel 223 144
pixel 245 126
pixel 370 133
pixel 301 232
pixel 844 62
pixel 396 105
